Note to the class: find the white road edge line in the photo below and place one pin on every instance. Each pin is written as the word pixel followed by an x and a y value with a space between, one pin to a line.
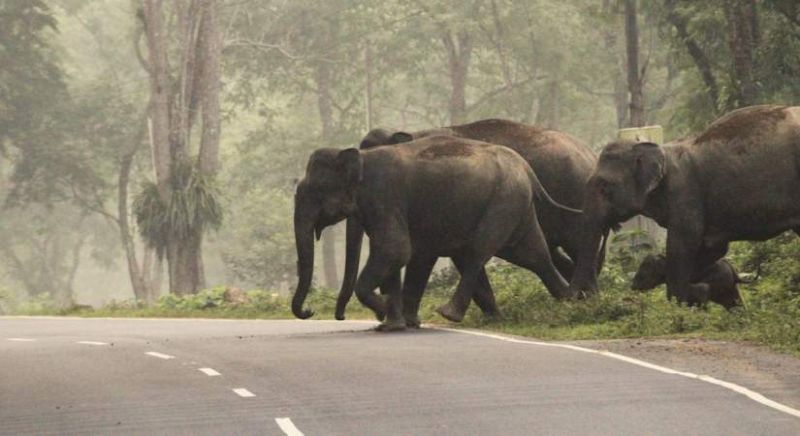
pixel 288 427
pixel 209 372
pixel 21 339
pixel 244 393
pixel 91 343
pixel 159 355
pixel 755 396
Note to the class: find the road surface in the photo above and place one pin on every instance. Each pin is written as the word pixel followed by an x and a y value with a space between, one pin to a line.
pixel 129 376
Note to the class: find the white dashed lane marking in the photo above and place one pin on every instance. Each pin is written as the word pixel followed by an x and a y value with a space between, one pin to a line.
pixel 209 372
pixel 159 355
pixel 244 393
pixel 21 339
pixel 91 343
pixel 288 427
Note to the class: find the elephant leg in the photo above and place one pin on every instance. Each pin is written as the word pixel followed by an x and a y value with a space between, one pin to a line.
pixel 394 304
pixel 471 268
pixel 355 234
pixel 382 267
pixel 386 287
pixel 532 253
pixel 483 296
pixel 683 259
pixel 418 271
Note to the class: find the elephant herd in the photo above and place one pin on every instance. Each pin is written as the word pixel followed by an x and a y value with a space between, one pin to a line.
pixel 542 200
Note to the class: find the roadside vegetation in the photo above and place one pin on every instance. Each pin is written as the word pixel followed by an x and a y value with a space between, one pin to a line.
pixel 771 315
pixel 82 142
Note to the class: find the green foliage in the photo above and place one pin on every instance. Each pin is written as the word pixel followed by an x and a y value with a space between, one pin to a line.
pixel 771 315
pixel 41 304
pixel 8 301
pixel 191 209
pixel 260 250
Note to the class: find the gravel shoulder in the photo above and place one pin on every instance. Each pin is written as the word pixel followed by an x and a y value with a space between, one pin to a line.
pixel 775 375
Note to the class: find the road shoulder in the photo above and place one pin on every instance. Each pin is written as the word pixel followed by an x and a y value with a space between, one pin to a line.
pixel 759 368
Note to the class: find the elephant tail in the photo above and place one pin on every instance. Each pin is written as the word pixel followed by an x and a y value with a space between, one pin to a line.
pixel 541 193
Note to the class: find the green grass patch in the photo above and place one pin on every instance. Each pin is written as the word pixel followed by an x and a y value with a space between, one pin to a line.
pixel 771 315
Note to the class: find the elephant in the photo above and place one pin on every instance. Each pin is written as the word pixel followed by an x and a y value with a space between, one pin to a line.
pixel 437 196
pixel 562 163
pixel 721 278
pixel 738 180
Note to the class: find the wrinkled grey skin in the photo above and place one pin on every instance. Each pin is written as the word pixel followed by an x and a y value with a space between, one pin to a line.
pixel 721 278
pixel 738 180
pixel 561 162
pixel 438 196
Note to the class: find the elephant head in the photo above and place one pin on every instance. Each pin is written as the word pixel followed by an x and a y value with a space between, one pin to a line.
pixel 624 180
pixel 355 232
pixel 325 196
pixel 651 273
pixel 378 137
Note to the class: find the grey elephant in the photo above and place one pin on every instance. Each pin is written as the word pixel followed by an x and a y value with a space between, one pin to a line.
pixel 562 163
pixel 738 180
pixel 721 278
pixel 438 196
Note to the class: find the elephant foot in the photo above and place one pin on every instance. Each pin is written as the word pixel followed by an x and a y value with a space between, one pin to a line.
pixel 391 326
pixel 493 315
pixel 698 295
pixel 412 321
pixel 574 294
pixel 450 312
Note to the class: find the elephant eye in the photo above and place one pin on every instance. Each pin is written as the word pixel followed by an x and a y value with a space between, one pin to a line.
pixel 605 188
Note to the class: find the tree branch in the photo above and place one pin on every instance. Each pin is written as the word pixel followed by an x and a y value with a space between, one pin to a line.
pixel 700 59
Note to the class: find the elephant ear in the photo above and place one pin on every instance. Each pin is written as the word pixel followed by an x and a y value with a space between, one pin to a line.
pixel 351 164
pixel 400 137
pixel 374 138
pixel 650 165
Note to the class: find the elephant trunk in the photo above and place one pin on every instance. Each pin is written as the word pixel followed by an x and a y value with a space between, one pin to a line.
pixel 585 277
pixel 355 233
pixel 304 240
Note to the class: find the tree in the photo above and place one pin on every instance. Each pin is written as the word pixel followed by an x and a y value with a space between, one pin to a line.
pixel 183 63
pixel 635 77
pixel 743 38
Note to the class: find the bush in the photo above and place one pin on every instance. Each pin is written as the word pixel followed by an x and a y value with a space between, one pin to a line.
pixel 8 302
pixel 771 315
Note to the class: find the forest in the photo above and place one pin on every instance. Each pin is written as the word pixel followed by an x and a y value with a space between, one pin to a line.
pixel 150 150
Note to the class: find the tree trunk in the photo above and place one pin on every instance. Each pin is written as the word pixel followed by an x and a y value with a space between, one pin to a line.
pixel 138 284
pixel 182 258
pixel 152 272
pixel 210 46
pixel 635 81
pixel 459 53
pixel 549 115
pixel 173 109
pixel 370 116
pixel 159 93
pixel 620 95
pixel 700 59
pixel 742 38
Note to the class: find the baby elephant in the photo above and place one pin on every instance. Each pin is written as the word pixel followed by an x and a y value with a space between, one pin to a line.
pixel 720 277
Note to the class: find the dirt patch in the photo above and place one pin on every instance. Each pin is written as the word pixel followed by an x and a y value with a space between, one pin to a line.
pixel 775 375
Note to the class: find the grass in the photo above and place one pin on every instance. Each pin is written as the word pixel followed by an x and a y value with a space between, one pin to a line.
pixel 771 316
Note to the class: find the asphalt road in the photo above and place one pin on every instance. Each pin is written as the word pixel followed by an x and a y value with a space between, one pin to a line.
pixel 127 376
